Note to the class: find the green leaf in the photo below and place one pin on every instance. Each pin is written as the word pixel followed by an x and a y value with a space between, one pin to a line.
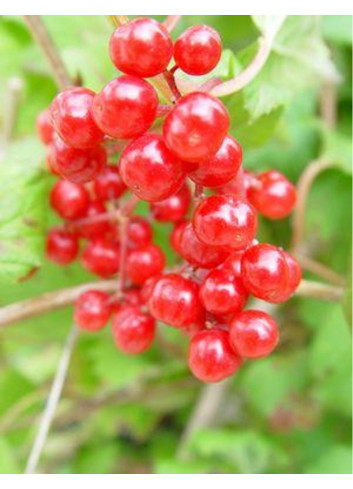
pixel 336 460
pixel 338 149
pixel 337 29
pixel 8 462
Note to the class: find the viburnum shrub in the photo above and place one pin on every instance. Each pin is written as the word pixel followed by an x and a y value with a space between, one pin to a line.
pixel 166 154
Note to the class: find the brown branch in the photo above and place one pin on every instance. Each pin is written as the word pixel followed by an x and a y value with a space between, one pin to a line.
pixel 317 290
pixel 320 270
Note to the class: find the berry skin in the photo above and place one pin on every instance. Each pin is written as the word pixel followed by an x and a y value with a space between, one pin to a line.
pixel 78 165
pixel 133 330
pixel 195 129
pixel 101 257
pixel 253 334
pixel 71 115
pixel 126 107
pixel 139 232
pixel 69 200
pixel 211 359
pixel 222 293
pixel 93 229
pixel 273 195
pixel 198 50
pixel 265 271
pixel 220 168
pixel 109 185
pixel 50 159
pixel 225 221
pixel 147 288
pixel 174 208
pixel 92 310
pixel 150 170
pixel 143 263
pixel 239 186
pixel 294 278
pixel 44 127
pixel 175 301
pixel 142 47
pixel 195 251
pixel 61 246
pixel 232 265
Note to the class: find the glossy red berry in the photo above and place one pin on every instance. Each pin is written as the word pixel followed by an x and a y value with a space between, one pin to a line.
pixel 273 195
pixel 175 236
pixel 239 186
pixel 147 288
pixel 126 107
pixel 92 310
pixel 71 115
pixel 223 293
pixel 294 278
pixel 264 271
pixel 150 170
pixel 91 226
pixel 174 208
pixel 61 246
pixel 109 185
pixel 211 358
pixel 253 334
pixel 133 330
pixel 78 165
pixel 143 263
pixel 69 200
pixel 50 159
pixel 44 127
pixel 225 221
pixel 101 257
pixel 198 50
pixel 175 301
pixel 195 129
pixel 139 232
pixel 220 168
pixel 232 265
pixel 142 47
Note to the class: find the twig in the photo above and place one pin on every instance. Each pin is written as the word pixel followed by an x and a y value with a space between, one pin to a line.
pixel 12 100
pixel 171 22
pixel 320 270
pixel 328 105
pixel 317 290
pixel 52 402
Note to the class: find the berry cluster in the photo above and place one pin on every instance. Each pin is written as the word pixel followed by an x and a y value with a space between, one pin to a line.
pixel 161 159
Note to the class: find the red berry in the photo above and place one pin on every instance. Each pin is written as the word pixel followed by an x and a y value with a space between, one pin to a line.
pixel 273 195
pixel 101 257
pixel 50 158
pixel 211 359
pixel 69 200
pixel 150 170
pixel 175 236
pixel 198 50
pixel 239 186
pixel 253 334
pixel 141 47
pixel 220 168
pixel 71 115
pixel 225 221
pixel 139 232
pixel 78 165
pixel 294 278
pixel 126 107
pixel 91 228
pixel 133 330
pixel 264 271
pixel 62 246
pixel 232 265
pixel 143 263
pixel 44 127
pixel 175 301
pixel 147 288
pixel 174 208
pixel 196 252
pixel 109 185
pixel 92 310
pixel 223 293
pixel 195 129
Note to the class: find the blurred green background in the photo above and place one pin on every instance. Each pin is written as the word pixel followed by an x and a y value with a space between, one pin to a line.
pixel 290 413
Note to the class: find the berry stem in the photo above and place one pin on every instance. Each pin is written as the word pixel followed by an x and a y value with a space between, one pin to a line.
pixel 199 194
pixel 171 22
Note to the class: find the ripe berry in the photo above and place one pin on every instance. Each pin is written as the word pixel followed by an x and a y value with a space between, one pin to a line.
pixel 253 334
pixel 239 186
pixel 143 263
pixel 71 115
pixel 195 129
pixel 147 288
pixel 126 107
pixel 101 257
pixel 69 200
pixel 150 170
pixel 109 185
pixel 78 165
pixel 175 236
pixel 264 271
pixel 133 330
pixel 273 195
pixel 91 228
pixel 92 310
pixel 211 359
pixel 232 265
pixel 141 47
pixel 198 50
pixel 223 293
pixel 174 208
pixel 294 278
pixel 44 127
pixel 225 221
pixel 61 246
pixel 175 301
pixel 139 232
pixel 220 168
pixel 50 159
